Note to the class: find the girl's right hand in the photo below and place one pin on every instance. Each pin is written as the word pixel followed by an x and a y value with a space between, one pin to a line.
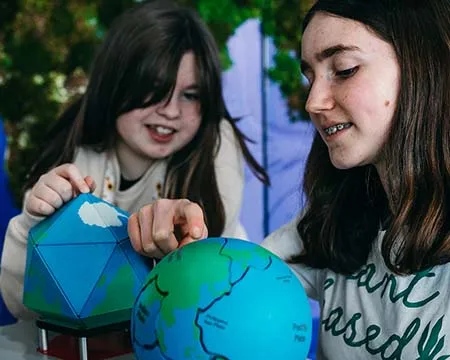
pixel 152 228
pixel 55 188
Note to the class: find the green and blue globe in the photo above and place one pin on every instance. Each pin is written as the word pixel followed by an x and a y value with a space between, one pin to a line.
pixel 221 298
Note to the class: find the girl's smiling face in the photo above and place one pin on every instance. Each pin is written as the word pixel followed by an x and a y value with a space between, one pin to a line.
pixel 354 82
pixel 160 130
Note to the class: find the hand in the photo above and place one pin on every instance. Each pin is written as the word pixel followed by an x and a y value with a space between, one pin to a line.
pixel 151 229
pixel 57 187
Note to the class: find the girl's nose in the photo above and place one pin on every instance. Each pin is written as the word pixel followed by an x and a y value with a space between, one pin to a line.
pixel 169 109
pixel 320 97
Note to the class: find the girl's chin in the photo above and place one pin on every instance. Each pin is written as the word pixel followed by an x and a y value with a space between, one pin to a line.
pixel 344 164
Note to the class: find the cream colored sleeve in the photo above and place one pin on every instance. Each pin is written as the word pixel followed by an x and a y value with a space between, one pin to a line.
pixel 285 243
pixel 13 263
pixel 229 166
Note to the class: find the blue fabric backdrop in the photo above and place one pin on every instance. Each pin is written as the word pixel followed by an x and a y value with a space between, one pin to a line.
pixel 7 210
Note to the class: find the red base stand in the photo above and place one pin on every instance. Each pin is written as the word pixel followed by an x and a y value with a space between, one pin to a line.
pixel 103 347
pixel 94 344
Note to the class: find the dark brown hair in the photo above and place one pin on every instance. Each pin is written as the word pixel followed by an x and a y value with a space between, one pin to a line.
pixel 346 207
pixel 140 55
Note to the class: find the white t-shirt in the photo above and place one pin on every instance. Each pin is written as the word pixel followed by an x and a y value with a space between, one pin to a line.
pixel 374 314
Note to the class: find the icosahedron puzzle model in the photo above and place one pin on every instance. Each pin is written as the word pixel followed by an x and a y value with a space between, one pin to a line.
pixel 81 269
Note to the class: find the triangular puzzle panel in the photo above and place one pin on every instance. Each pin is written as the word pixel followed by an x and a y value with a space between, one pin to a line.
pixel 140 264
pixel 43 294
pixel 117 288
pixel 77 268
pixel 39 233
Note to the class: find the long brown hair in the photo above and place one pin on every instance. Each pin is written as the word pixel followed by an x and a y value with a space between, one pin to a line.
pixel 140 55
pixel 346 207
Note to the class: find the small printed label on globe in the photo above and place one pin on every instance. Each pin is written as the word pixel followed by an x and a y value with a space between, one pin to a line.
pixel 285 278
pixel 211 320
pixel 301 332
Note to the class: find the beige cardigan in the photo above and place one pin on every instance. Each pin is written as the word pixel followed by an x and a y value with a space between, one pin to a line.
pixel 229 167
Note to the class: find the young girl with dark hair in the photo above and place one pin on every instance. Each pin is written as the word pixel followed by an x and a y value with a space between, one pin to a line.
pixel 152 124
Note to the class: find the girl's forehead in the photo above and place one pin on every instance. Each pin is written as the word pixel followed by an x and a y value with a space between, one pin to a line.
pixel 326 31
pixel 187 71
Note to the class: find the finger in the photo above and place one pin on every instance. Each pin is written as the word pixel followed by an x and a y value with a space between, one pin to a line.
pixel 59 185
pixel 167 244
pixel 134 232
pixel 91 183
pixel 145 218
pixel 139 231
pixel 48 192
pixel 191 214
pixel 71 173
pixel 153 251
pixel 163 216
pixel 189 239
pixel 38 207
pixel 163 212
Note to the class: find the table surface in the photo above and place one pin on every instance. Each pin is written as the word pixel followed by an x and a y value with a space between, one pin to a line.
pixel 19 342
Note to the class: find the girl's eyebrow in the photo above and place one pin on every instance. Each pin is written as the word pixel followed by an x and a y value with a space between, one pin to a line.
pixel 327 53
pixel 192 87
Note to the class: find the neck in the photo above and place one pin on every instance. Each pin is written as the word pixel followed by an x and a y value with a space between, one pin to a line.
pixel 132 165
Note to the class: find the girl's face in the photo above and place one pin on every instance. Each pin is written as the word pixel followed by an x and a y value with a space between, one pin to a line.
pixel 160 130
pixel 354 83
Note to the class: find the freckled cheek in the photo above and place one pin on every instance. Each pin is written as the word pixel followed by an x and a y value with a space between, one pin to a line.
pixel 349 97
pixel 358 101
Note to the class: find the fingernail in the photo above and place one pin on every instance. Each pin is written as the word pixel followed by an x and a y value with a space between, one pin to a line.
pixel 196 232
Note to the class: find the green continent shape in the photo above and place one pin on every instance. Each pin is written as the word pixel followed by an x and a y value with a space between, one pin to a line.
pixel 37 297
pixel 149 296
pixel 246 255
pixel 185 280
pixel 123 280
pixel 197 274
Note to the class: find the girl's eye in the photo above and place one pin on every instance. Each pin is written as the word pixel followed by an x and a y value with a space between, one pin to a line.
pixel 191 96
pixel 347 72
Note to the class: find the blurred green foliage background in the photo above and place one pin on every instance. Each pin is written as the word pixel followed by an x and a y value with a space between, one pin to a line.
pixel 46 47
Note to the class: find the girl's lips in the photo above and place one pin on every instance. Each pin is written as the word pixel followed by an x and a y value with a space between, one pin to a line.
pixel 158 136
pixel 161 128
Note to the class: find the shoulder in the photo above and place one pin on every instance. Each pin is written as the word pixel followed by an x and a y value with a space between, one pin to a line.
pixel 228 143
pixel 228 153
pixel 227 133
pixel 226 127
pixel 85 155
